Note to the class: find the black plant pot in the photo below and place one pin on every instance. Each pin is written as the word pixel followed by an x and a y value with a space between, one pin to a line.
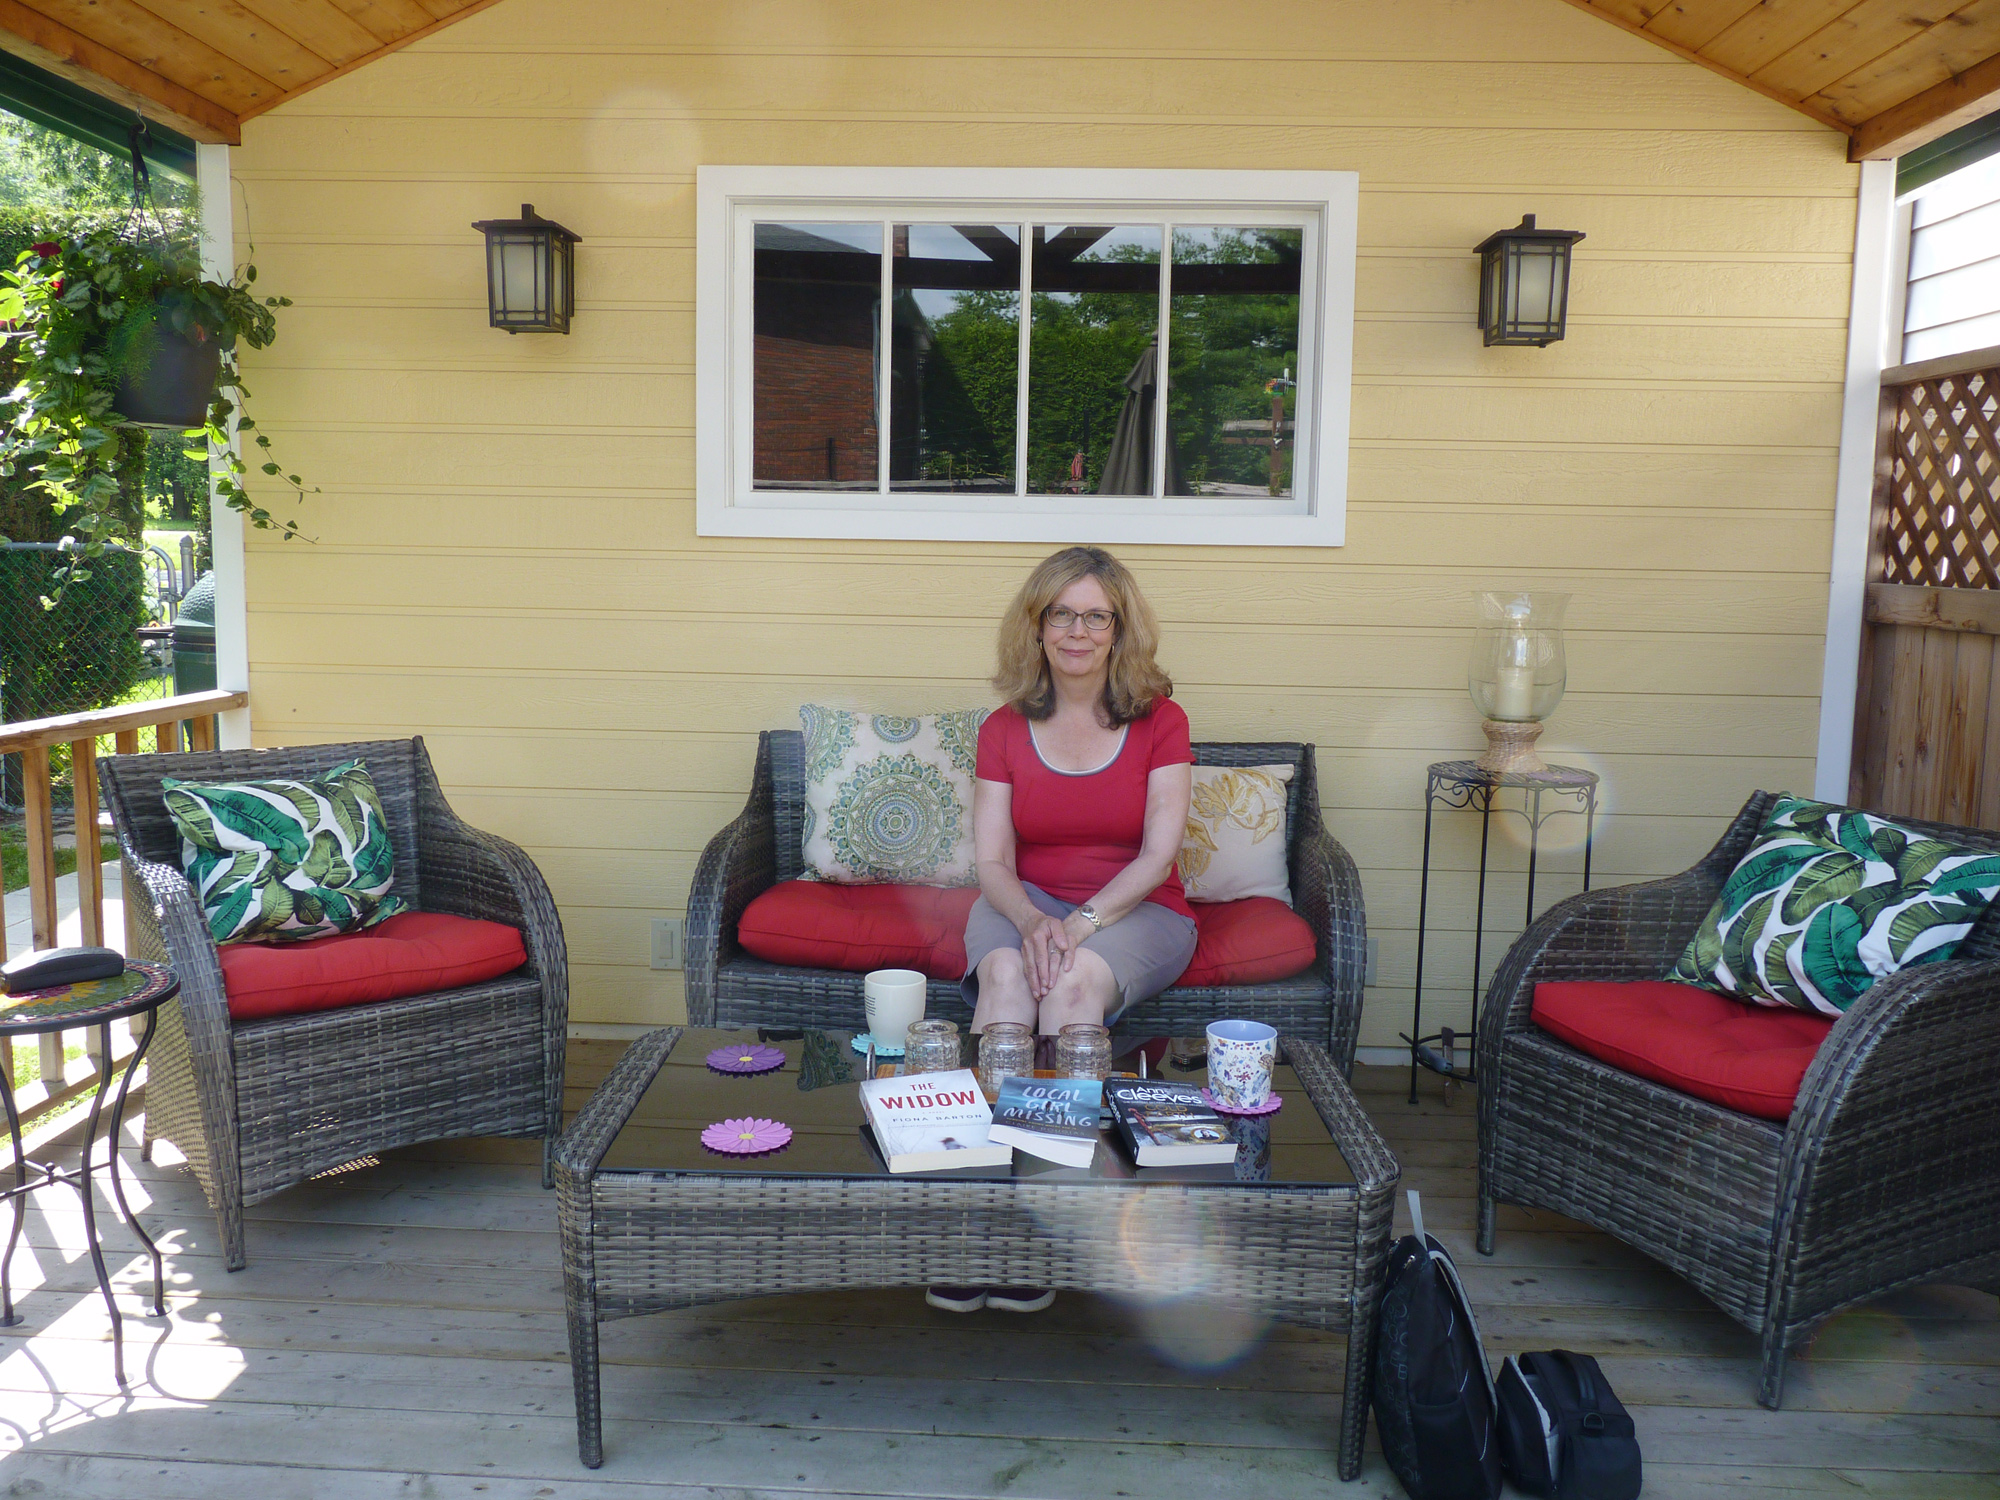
pixel 174 390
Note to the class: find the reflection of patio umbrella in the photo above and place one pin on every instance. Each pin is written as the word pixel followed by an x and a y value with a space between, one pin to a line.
pixel 1128 467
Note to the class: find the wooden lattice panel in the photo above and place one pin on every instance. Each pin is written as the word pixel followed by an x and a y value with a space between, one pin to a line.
pixel 1942 526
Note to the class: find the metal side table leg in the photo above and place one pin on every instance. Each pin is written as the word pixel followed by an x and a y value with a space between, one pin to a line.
pixel 83 1187
pixel 117 1184
pixel 8 1317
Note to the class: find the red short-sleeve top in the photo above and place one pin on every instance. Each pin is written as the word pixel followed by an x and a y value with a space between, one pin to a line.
pixel 1074 830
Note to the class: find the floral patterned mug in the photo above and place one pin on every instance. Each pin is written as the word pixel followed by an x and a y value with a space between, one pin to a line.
pixel 1241 1055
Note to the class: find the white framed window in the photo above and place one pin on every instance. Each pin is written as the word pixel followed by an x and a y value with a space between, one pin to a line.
pixel 1008 354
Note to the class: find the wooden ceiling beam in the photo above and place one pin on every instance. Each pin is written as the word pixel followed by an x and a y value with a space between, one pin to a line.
pixel 1937 111
pixel 51 45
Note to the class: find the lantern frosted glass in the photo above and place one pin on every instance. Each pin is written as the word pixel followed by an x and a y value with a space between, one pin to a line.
pixel 1524 284
pixel 530 273
pixel 1518 672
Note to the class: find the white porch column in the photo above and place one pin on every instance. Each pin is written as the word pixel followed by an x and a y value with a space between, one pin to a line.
pixel 1854 488
pixel 232 636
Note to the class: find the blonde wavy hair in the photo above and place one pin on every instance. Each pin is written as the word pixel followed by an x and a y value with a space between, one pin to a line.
pixel 1134 682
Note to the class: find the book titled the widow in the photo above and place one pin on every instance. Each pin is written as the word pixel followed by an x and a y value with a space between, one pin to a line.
pixel 1053 1118
pixel 932 1122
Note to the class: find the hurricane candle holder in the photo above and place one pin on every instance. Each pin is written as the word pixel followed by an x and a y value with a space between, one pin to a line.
pixel 1518 673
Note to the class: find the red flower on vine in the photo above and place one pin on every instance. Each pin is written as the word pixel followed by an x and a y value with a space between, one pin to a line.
pixel 46 249
pixel 56 289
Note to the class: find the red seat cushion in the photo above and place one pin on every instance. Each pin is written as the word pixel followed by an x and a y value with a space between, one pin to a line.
pixel 1747 1057
pixel 814 924
pixel 414 953
pixel 1247 942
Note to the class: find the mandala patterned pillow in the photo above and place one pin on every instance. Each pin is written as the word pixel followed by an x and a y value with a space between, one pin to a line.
pixel 1236 844
pixel 889 797
pixel 1828 901
pixel 283 861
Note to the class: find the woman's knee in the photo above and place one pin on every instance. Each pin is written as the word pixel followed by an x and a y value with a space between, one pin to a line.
pixel 1002 966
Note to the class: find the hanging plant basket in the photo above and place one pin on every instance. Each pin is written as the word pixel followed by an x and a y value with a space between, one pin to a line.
pixel 174 387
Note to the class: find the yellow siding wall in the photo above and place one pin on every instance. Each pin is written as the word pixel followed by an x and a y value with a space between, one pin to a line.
pixel 506 556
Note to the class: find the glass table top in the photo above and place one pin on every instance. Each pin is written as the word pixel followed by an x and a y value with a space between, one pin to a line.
pixel 815 1092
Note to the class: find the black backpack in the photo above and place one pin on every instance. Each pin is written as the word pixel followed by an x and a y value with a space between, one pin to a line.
pixel 1434 1402
pixel 1563 1431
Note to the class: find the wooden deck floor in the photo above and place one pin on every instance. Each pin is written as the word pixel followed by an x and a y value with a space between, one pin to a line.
pixel 399 1333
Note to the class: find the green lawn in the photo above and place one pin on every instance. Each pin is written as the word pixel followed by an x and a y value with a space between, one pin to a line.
pixel 14 858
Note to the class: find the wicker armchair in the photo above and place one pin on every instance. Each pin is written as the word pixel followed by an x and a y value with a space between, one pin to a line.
pixel 1886 1175
pixel 259 1106
pixel 727 987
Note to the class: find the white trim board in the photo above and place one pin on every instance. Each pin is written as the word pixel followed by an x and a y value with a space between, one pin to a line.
pixel 1326 204
pixel 232 628
pixel 1868 342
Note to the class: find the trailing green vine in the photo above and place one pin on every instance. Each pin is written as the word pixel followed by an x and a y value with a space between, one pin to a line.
pixel 86 307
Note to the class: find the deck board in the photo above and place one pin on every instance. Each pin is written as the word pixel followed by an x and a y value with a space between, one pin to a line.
pixel 399 1331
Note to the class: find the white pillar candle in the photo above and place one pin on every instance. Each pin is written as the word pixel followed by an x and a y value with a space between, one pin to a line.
pixel 1514 692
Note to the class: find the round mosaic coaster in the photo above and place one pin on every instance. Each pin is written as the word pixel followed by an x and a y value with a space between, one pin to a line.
pixel 1269 1107
pixel 754 1058
pixel 746 1137
pixel 882 1049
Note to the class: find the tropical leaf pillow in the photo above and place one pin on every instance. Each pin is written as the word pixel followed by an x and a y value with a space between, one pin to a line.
pixel 283 861
pixel 889 796
pixel 1828 901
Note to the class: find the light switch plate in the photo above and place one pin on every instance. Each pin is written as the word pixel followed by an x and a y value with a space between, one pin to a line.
pixel 667 942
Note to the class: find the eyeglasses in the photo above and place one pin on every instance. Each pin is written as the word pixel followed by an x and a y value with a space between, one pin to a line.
pixel 1061 617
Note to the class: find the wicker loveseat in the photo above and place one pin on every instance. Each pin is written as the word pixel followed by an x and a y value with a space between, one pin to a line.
pixel 1885 1175
pixel 728 987
pixel 259 1106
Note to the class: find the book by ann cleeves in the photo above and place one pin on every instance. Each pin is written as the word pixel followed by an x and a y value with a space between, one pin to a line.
pixel 1165 1124
pixel 1053 1118
pixel 932 1122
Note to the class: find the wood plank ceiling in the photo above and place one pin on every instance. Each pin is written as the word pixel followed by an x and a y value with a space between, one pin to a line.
pixel 205 66
pixel 1889 74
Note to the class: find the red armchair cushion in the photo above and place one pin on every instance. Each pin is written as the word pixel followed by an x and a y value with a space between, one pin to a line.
pixel 1746 1057
pixel 415 953
pixel 813 924
pixel 1247 942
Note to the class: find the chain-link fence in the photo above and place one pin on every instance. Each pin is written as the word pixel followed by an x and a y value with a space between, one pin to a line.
pixel 109 640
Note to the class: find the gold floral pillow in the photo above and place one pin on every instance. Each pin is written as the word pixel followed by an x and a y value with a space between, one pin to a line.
pixel 1235 845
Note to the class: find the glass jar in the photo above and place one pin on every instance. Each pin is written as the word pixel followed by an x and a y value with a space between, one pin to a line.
pixel 1518 670
pixel 1083 1051
pixel 1006 1050
pixel 931 1047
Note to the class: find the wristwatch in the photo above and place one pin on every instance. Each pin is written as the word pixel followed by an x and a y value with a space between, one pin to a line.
pixel 1089 914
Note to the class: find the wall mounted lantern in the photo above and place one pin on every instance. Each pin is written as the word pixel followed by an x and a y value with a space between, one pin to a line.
pixel 1524 284
pixel 530 273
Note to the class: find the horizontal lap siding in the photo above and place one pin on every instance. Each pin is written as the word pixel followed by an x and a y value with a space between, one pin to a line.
pixel 506 559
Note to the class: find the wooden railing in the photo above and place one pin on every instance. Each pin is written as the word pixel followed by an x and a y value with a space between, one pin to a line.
pixel 33 740
pixel 1927 710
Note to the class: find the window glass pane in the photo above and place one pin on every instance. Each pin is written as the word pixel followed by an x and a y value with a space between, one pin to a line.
pixel 1091 380
pixel 818 301
pixel 1232 358
pixel 955 356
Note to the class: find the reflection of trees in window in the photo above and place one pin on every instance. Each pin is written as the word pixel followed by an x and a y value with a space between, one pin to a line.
pixel 1232 356
pixel 1096 307
pixel 955 371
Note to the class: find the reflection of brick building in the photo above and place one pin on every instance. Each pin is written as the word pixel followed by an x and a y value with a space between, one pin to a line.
pixel 815 406
pixel 817 308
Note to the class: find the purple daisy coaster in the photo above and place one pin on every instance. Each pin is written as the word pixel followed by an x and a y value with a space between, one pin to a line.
pixel 755 1057
pixel 1269 1107
pixel 747 1137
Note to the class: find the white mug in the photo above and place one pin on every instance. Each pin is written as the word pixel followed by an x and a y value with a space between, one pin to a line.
pixel 1241 1055
pixel 895 1000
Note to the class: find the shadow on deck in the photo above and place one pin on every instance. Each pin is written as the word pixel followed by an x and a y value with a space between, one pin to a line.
pixel 399 1332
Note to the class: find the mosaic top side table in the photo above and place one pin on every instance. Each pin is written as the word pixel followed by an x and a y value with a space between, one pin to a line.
pixel 140 991
pixel 1462 783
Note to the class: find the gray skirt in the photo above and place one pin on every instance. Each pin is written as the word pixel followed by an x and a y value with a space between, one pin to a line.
pixel 1146 949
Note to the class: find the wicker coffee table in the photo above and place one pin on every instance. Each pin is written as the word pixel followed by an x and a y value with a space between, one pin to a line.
pixel 1298 1229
